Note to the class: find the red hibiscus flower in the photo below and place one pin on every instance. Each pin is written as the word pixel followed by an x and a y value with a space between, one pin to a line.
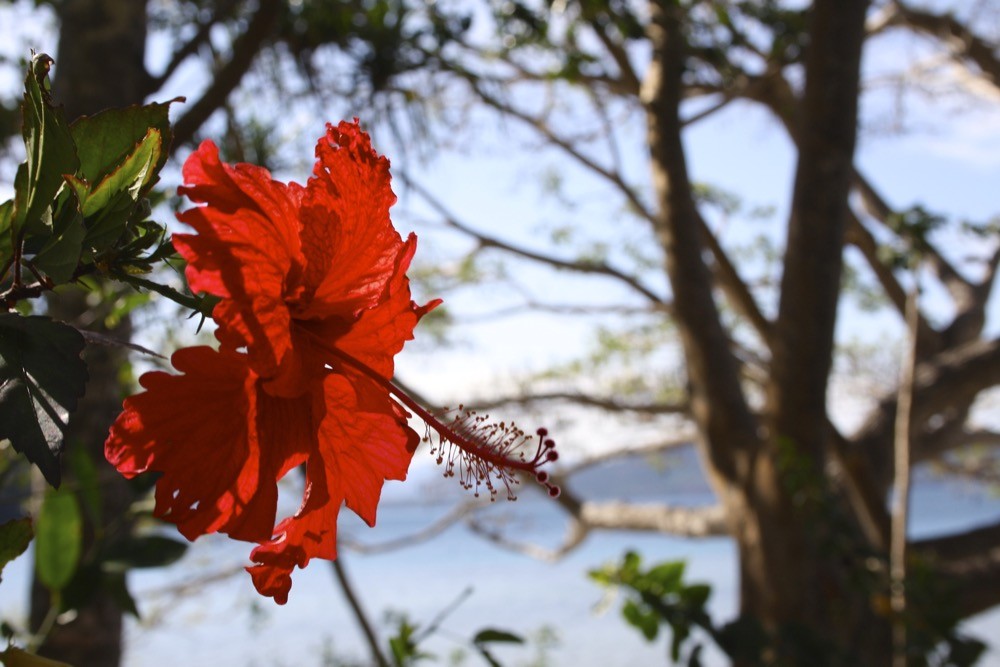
pixel 314 304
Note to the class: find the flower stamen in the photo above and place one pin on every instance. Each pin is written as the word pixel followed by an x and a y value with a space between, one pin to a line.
pixel 476 450
pixel 485 452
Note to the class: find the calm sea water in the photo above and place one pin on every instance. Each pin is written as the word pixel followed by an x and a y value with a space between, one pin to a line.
pixel 228 624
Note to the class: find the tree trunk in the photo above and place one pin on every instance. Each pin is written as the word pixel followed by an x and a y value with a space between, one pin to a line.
pixel 99 64
pixel 803 563
pixel 803 560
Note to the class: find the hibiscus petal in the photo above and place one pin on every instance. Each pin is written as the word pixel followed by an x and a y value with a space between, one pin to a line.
pixel 349 242
pixel 363 440
pixel 247 249
pixel 203 430
pixel 381 331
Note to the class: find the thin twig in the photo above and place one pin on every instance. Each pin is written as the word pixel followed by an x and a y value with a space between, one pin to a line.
pixel 359 613
pixel 901 486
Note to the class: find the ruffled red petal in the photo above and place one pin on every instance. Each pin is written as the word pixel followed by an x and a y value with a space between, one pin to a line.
pixel 363 440
pixel 350 244
pixel 247 250
pixel 380 332
pixel 220 443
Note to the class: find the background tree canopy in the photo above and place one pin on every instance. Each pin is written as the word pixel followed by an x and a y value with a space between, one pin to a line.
pixel 688 310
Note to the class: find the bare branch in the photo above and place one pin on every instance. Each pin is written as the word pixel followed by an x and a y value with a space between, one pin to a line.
pixel 561 309
pixel 971 563
pixel 862 239
pixel 653 518
pixel 628 80
pixel 579 266
pixel 963 43
pixel 589 400
pixel 576 533
pixel 949 381
pixel 968 298
pixel 734 287
pixel 684 439
pixel 718 403
pixel 425 534
pixel 539 125
pixel 656 518
pixel 228 77
pixel 223 10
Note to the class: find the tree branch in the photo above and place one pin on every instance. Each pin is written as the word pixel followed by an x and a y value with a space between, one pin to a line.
pixel 543 129
pixel 810 284
pixel 718 403
pixel 426 533
pixel 589 400
pixel 486 241
pixel 964 43
pixel 971 563
pixel 862 239
pixel 223 10
pixel 228 77
pixel 734 287
pixel 949 381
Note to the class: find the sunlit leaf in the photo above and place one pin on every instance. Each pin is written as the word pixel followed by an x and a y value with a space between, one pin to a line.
pixel 105 139
pixel 51 154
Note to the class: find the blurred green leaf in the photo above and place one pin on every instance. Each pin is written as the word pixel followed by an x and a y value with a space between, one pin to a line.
pixel 15 536
pixel 88 483
pixel 644 620
pixel 41 378
pixel 667 576
pixel 59 539
pixel 143 551
pixel 493 635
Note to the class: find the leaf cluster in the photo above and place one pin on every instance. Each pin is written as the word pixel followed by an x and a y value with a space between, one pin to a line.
pixel 81 207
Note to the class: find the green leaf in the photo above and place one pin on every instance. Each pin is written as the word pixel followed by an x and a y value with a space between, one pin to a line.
pixel 89 485
pixel 143 551
pixel 59 539
pixel 667 576
pixel 109 205
pixel 51 155
pixel 106 139
pixel 493 635
pixel 60 256
pixel 131 175
pixel 6 233
pixel 644 620
pixel 15 536
pixel 696 594
pixel 41 379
